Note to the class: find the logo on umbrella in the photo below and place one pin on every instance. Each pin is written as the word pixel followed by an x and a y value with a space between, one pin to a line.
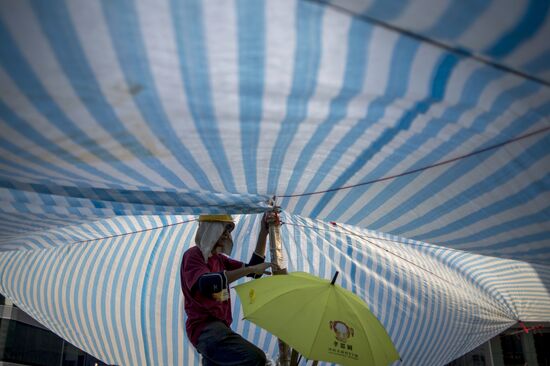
pixel 341 330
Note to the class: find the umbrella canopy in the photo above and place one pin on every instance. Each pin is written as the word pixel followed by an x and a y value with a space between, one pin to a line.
pixel 319 319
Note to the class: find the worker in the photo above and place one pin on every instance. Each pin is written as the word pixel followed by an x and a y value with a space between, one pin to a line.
pixel 206 272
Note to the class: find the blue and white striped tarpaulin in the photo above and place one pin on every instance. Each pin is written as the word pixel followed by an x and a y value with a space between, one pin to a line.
pixel 419 128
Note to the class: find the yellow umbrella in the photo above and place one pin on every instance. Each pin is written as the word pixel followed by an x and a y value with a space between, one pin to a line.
pixel 317 318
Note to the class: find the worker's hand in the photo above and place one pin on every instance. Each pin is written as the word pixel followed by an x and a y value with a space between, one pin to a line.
pixel 260 269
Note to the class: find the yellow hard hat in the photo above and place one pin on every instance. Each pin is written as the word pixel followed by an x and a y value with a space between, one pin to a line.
pixel 218 218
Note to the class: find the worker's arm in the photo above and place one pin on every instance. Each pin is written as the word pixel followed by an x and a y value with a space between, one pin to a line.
pixel 210 283
pixel 259 253
pixel 257 270
pixel 262 236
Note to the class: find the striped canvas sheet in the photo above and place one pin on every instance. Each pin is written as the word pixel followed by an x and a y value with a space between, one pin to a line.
pixel 121 107
pixel 116 294
pixel 420 128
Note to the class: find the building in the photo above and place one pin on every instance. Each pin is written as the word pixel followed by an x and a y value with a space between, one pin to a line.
pixel 517 346
pixel 24 341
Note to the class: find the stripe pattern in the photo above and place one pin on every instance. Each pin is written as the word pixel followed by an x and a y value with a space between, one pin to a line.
pixel 119 298
pixel 178 107
pixel 507 33
pixel 119 118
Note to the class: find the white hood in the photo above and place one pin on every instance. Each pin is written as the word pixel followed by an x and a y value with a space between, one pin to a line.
pixel 208 235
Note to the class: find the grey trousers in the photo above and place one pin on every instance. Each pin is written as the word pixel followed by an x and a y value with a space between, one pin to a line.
pixel 219 345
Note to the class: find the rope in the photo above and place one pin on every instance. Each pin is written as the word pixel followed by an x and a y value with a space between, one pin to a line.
pixel 461 52
pixel 132 232
pixel 365 237
pixel 408 172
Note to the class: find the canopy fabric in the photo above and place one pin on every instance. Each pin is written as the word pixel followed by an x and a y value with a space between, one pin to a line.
pixel 425 122
pixel 511 34
pixel 143 108
pixel 118 296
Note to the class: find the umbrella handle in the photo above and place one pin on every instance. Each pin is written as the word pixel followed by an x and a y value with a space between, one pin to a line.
pixel 334 278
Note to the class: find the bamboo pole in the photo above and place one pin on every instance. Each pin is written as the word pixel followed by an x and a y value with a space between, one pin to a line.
pixel 277 257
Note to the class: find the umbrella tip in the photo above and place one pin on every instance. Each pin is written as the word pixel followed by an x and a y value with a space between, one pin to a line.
pixel 334 278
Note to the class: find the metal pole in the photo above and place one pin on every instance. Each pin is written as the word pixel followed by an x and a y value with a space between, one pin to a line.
pixel 276 251
pixel 490 357
pixel 62 350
